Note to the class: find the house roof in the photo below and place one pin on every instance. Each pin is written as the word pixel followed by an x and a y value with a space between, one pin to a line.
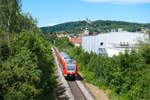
pixel 76 40
pixel 84 34
pixel 62 35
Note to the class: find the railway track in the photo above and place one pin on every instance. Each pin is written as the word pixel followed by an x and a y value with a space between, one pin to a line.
pixel 78 95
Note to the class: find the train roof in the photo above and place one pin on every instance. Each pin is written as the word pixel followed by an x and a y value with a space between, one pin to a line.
pixel 66 57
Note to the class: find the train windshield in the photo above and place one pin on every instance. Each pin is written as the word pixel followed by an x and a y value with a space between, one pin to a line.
pixel 71 65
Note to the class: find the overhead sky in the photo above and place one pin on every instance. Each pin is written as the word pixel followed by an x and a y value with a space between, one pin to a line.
pixel 51 12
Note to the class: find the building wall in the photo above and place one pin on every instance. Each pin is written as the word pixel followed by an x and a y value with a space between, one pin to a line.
pixel 113 43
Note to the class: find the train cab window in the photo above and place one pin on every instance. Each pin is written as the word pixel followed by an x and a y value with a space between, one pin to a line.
pixel 71 65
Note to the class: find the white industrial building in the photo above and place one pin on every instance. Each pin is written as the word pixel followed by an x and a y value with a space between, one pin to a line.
pixel 109 44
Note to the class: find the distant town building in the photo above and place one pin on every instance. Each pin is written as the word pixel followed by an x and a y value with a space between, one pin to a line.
pixel 113 43
pixel 88 21
pixel 76 41
pixel 94 33
pixel 113 30
pixel 120 29
pixel 85 32
pixel 62 35
pixel 144 29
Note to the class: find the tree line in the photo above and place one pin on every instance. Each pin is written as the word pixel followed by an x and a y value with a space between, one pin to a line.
pixel 26 61
pixel 95 26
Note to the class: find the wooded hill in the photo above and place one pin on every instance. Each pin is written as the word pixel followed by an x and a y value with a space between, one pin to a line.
pixel 95 26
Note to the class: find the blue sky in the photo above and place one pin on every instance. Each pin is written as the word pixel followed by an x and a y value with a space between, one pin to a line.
pixel 51 12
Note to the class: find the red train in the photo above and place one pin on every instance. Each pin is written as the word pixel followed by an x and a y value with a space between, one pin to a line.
pixel 68 65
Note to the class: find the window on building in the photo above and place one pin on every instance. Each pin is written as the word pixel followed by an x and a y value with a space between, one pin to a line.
pixel 101 43
pixel 102 51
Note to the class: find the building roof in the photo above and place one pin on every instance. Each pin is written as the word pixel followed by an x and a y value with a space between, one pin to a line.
pixel 66 57
pixel 62 35
pixel 84 34
pixel 76 40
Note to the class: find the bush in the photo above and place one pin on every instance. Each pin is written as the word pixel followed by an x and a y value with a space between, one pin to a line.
pixel 28 71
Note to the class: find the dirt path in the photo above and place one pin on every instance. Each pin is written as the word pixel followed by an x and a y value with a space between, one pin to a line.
pixel 99 94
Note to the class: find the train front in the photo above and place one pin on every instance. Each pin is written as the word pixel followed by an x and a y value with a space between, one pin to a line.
pixel 71 66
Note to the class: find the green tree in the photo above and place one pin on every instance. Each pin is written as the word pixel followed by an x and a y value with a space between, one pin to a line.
pixel 63 43
pixel 9 9
pixel 27 73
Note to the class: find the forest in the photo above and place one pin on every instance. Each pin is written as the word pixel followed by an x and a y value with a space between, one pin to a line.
pixel 95 26
pixel 26 61
pixel 127 76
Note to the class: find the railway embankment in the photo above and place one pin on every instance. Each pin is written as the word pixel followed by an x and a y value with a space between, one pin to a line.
pixel 67 95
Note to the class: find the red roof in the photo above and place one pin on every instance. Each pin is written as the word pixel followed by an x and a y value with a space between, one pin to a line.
pixel 76 40
pixel 84 34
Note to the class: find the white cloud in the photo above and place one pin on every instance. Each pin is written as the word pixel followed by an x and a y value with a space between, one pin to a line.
pixel 51 24
pixel 119 1
pixel 47 25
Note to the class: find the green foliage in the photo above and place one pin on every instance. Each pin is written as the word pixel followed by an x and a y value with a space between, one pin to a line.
pixel 63 43
pixel 3 37
pixel 51 37
pixel 94 26
pixel 71 27
pixel 11 18
pixel 9 12
pixel 27 73
pixel 145 51
pixel 25 22
pixel 20 75
pixel 26 61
